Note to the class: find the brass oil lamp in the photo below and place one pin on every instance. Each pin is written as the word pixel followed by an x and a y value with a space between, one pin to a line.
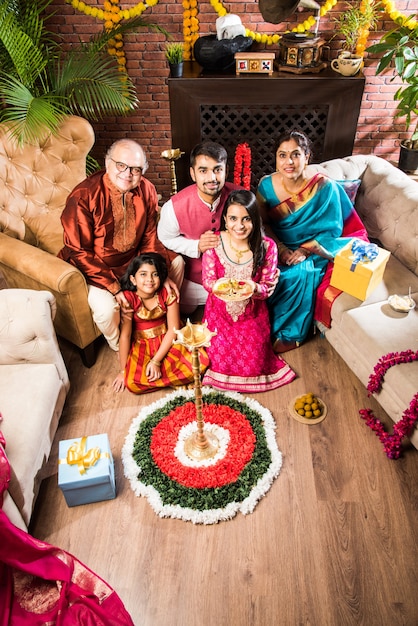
pixel 200 444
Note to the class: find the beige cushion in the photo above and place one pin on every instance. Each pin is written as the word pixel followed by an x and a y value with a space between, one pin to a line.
pixel 47 230
pixel 30 420
pixel 367 333
pixel 387 202
pixel 33 386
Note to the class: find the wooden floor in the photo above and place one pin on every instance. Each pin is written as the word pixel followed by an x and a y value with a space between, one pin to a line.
pixel 334 541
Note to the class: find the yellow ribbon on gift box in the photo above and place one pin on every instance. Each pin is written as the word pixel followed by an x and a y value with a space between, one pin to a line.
pixel 77 455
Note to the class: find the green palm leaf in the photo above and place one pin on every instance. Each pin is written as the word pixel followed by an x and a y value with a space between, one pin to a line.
pixel 93 85
pixel 39 83
pixel 25 59
pixel 28 115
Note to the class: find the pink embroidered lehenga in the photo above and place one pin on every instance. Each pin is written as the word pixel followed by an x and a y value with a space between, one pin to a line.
pixel 241 356
pixel 41 584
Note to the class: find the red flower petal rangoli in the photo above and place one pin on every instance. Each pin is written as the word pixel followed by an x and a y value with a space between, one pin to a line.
pixel 227 470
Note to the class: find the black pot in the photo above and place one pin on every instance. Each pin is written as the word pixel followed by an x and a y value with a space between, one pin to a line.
pixel 408 160
pixel 219 54
pixel 176 70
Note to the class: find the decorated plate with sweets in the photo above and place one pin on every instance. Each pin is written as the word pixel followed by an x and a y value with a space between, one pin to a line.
pixel 229 289
pixel 308 409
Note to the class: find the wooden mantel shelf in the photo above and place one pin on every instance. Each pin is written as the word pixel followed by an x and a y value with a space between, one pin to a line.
pixel 326 91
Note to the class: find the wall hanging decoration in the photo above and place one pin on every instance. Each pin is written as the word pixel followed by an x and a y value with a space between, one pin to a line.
pixel 242 166
pixel 113 13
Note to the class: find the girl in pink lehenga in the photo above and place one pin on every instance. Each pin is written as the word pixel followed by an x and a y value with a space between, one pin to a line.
pixel 43 585
pixel 241 356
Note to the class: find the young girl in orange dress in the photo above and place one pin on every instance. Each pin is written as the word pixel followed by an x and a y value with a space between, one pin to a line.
pixel 149 360
pixel 241 355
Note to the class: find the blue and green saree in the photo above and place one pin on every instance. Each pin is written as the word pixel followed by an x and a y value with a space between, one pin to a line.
pixel 322 220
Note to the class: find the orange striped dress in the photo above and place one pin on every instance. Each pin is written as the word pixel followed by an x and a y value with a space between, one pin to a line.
pixel 148 330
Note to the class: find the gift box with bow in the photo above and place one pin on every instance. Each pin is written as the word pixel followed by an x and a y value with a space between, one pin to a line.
pixel 358 268
pixel 85 470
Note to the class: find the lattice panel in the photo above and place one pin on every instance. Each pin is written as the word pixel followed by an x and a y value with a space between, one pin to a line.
pixel 259 126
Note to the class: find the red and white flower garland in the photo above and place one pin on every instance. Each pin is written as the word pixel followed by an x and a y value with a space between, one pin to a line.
pixel 404 427
pixel 242 168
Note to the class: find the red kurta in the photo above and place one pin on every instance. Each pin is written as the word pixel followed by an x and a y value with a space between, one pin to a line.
pixel 104 229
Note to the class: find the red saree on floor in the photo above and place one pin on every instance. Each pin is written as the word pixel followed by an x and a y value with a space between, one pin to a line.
pixel 43 585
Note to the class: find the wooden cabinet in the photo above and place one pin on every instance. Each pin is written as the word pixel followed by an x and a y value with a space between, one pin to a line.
pixel 256 108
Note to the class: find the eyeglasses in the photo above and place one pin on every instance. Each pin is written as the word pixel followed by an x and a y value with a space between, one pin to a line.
pixel 122 167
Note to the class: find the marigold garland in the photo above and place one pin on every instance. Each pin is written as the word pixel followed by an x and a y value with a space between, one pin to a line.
pixel 363 33
pixel 242 165
pixel 190 27
pixel 405 426
pixel 396 15
pixel 113 14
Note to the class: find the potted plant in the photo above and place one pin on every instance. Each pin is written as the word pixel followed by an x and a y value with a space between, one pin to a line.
pixel 174 53
pixel 353 26
pixel 41 82
pixel 399 50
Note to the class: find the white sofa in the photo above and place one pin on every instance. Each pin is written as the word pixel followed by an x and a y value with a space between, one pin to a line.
pixel 33 387
pixel 363 332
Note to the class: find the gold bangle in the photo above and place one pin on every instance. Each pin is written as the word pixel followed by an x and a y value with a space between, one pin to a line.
pixel 122 372
pixel 157 363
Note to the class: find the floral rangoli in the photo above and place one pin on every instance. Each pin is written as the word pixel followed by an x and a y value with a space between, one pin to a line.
pixel 211 490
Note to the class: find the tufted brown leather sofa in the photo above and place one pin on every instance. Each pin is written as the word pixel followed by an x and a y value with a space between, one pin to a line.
pixel 35 181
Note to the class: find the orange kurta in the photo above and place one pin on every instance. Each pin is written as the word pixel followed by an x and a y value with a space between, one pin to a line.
pixel 104 229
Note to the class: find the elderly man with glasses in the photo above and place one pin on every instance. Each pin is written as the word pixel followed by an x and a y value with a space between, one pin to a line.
pixel 110 218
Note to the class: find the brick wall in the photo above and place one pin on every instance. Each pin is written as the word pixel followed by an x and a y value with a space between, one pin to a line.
pixel 146 65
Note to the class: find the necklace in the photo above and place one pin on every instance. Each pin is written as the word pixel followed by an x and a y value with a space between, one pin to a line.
pixel 147 302
pixel 239 253
pixel 293 194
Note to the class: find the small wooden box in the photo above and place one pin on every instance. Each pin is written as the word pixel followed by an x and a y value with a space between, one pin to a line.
pixel 254 62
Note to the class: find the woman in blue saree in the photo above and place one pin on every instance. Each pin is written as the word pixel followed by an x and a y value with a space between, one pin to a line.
pixel 311 219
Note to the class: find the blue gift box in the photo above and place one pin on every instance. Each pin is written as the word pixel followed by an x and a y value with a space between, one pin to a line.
pixel 85 470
